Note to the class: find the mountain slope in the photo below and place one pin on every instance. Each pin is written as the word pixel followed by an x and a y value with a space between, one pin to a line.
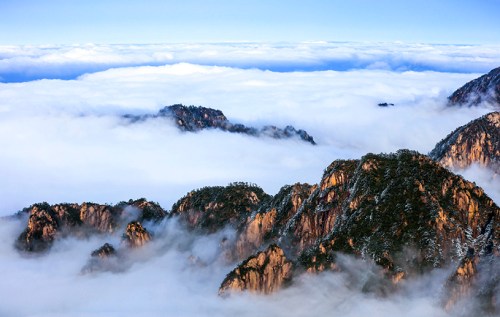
pixel 403 212
pixel 476 142
pixel 483 89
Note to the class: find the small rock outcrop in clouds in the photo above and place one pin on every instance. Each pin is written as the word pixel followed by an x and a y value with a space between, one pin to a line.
pixel 136 235
pixel 483 89
pixel 476 142
pixel 192 119
pixel 103 259
pixel 265 272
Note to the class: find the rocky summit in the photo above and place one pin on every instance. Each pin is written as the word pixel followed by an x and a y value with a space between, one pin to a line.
pixel 476 142
pixel 483 89
pixel 193 119
pixel 212 208
pixel 136 235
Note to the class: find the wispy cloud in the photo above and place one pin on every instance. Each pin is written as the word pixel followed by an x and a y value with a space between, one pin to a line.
pixel 161 282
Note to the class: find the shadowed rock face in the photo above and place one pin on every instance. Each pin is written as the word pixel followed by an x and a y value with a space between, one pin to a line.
pixel 103 259
pixel 194 119
pixel 48 223
pixel 136 236
pixel 483 89
pixel 476 142
pixel 265 273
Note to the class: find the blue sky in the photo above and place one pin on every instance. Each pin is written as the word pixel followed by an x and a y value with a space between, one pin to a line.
pixel 153 21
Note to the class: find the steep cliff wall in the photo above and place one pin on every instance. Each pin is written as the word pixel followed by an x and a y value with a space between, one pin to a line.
pixel 265 272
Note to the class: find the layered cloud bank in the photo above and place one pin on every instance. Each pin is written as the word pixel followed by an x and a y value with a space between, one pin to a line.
pixel 66 141
pixel 25 63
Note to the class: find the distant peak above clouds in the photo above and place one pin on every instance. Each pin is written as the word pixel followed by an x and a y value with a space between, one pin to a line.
pixel 483 89
pixel 193 119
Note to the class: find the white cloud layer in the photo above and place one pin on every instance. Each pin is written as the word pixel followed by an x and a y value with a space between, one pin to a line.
pixel 24 63
pixel 64 140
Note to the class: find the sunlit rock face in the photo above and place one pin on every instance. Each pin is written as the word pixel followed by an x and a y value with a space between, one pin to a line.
pixel 192 119
pixel 265 272
pixel 136 235
pixel 48 223
pixel 483 89
pixel 268 222
pixel 212 208
pixel 476 142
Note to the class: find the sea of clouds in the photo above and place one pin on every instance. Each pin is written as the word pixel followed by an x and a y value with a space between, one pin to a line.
pixel 25 63
pixel 66 141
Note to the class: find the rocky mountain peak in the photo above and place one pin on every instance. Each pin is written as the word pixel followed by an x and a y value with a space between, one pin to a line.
pixel 476 142
pixel 136 235
pixel 48 223
pixel 483 89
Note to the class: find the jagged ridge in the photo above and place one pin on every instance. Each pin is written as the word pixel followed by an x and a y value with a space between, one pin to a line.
pixel 192 119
